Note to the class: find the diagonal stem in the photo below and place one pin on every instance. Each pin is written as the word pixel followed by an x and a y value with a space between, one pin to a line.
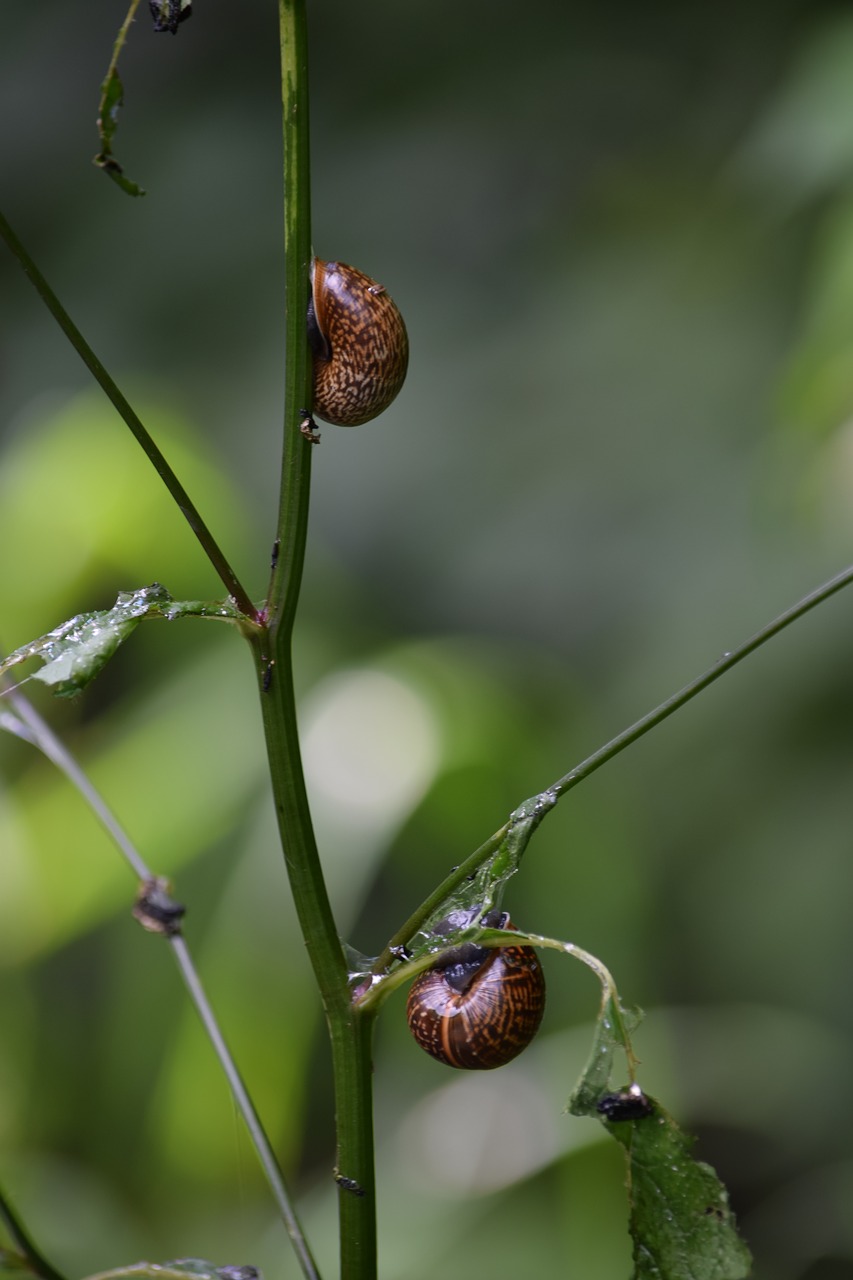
pixel 39 1264
pixel 208 543
pixel 730 659
pixel 39 733
pixel 607 752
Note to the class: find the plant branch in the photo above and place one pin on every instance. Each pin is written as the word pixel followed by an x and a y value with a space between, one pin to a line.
pixel 439 895
pixel 729 659
pixel 632 734
pixel 39 1265
pixel 246 1107
pixel 40 735
pixel 209 545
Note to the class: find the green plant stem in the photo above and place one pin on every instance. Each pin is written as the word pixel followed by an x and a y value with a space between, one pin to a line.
pixel 294 493
pixel 122 37
pixel 632 734
pixel 246 1107
pixel 350 1030
pixel 728 660
pixel 40 734
pixel 39 1264
pixel 297 836
pixel 352 1061
pixel 188 509
pixel 31 727
pixel 439 895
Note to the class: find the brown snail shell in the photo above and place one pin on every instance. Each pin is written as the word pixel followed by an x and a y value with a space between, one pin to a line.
pixel 480 1006
pixel 359 344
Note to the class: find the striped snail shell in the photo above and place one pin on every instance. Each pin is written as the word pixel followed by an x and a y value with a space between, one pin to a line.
pixel 359 344
pixel 479 1007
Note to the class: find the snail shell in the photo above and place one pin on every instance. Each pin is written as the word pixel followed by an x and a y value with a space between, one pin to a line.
pixel 359 344
pixel 480 1006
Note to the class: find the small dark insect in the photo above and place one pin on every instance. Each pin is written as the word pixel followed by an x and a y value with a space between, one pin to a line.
pixel 156 910
pixel 308 426
pixel 168 14
pixel 628 1104
pixel 266 678
pixel 349 1184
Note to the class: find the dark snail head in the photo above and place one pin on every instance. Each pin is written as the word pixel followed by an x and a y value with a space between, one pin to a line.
pixel 359 344
pixel 480 1006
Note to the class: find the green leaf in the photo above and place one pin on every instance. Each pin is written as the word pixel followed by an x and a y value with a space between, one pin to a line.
pixel 167 16
pixel 614 1023
pixel 112 98
pixel 680 1220
pixel 484 890
pixel 75 652
pixel 218 610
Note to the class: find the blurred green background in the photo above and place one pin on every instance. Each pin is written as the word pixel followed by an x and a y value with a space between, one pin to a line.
pixel 622 237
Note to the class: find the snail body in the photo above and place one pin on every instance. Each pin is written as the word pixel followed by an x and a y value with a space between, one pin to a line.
pixel 359 344
pixel 480 1006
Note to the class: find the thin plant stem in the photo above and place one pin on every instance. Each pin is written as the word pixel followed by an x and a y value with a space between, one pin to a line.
pixel 39 1264
pixel 350 1030
pixel 42 736
pixel 246 1107
pixel 121 38
pixel 608 752
pixel 39 733
pixel 273 646
pixel 690 691
pixel 188 509
pixel 294 494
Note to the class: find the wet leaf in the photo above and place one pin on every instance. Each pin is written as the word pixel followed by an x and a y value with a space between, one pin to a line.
pixel 483 891
pixel 610 1035
pixel 75 652
pixel 680 1219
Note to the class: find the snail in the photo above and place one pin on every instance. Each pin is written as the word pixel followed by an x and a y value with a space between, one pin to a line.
pixel 359 344
pixel 479 1007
